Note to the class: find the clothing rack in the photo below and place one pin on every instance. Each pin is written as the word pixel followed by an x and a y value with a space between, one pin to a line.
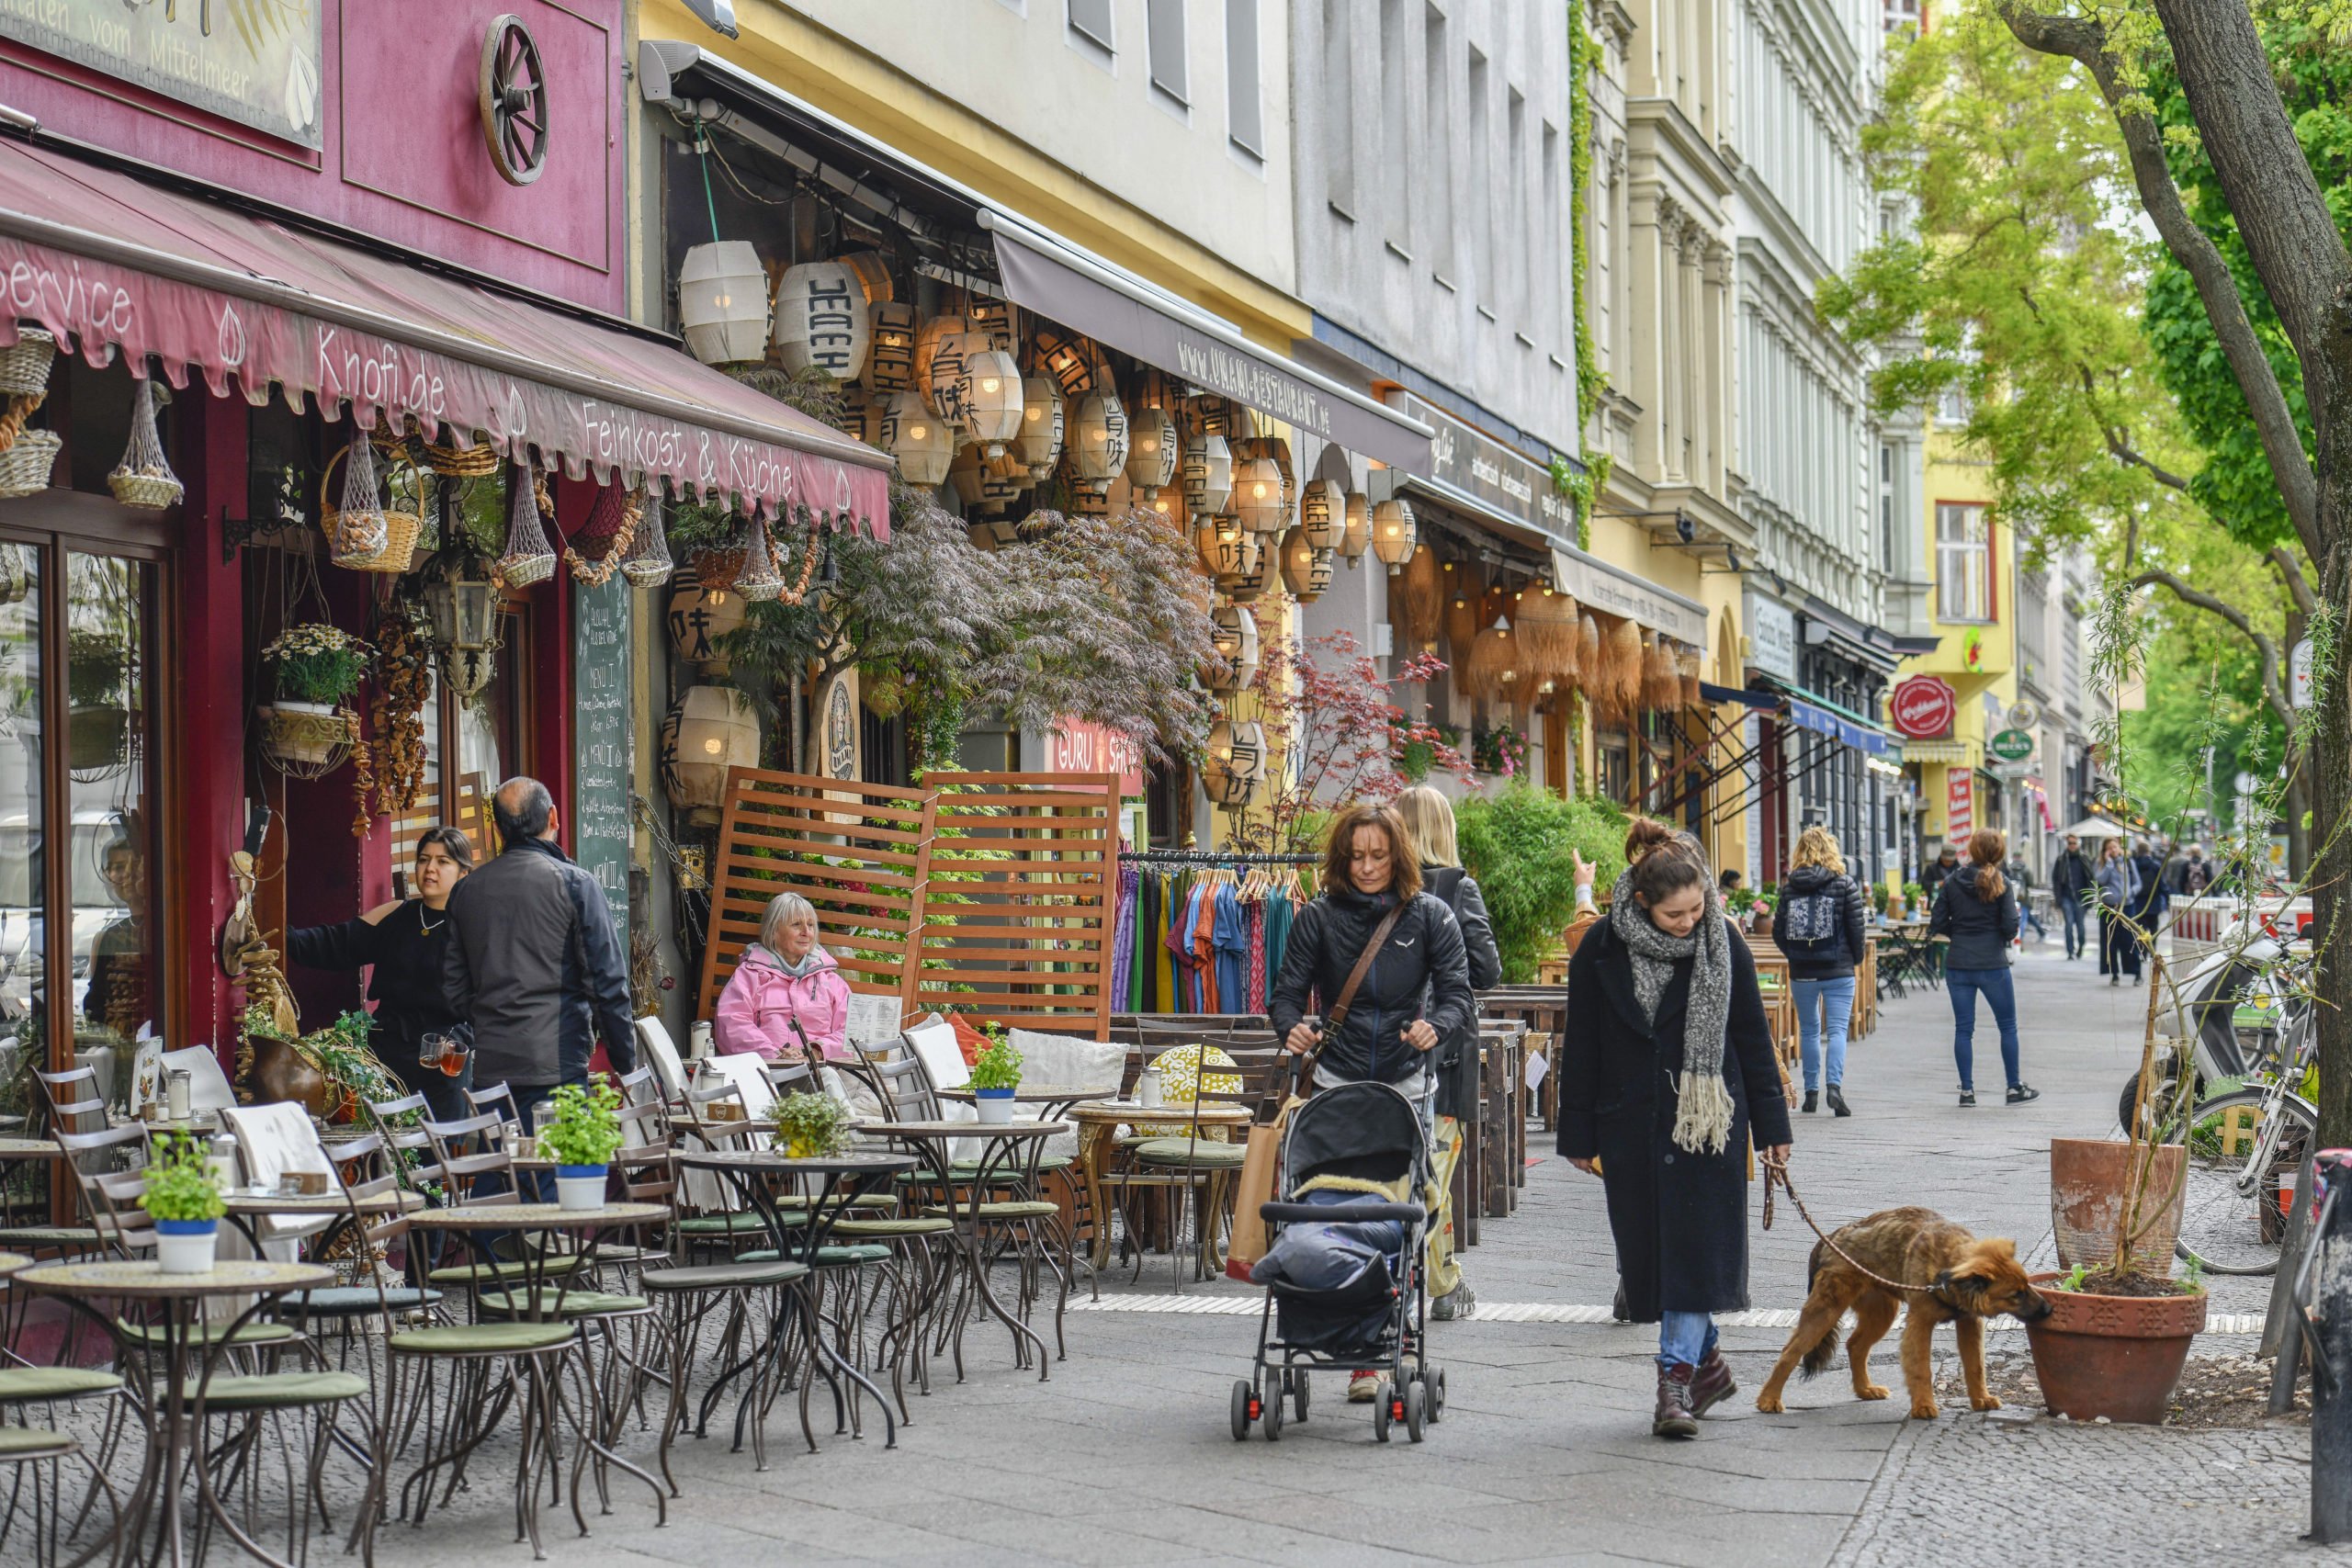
pixel 1211 857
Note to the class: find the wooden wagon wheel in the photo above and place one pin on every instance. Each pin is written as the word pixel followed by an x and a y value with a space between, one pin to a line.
pixel 513 101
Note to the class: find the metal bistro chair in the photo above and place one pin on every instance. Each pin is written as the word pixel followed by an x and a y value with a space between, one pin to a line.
pixel 76 1105
pixel 1201 1168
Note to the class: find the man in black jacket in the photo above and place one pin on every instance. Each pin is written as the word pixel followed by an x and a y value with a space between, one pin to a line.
pixel 532 958
pixel 2070 879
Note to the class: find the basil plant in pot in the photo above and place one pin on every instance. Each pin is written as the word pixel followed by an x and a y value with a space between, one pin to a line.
pixel 183 1197
pixel 996 1072
pixel 810 1126
pixel 581 1137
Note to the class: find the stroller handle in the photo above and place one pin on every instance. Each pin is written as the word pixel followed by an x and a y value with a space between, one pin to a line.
pixel 1370 1211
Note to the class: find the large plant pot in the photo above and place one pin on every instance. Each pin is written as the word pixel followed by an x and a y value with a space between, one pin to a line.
pixel 2118 1356
pixel 2090 1181
pixel 279 1072
pixel 185 1246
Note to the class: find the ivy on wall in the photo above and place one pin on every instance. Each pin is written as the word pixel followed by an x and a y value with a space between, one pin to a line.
pixel 1581 488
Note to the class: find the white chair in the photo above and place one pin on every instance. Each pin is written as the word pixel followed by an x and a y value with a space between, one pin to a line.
pixel 662 1056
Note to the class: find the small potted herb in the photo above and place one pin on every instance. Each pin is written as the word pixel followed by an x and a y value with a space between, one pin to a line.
pixel 996 1072
pixel 581 1138
pixel 184 1197
pixel 810 1125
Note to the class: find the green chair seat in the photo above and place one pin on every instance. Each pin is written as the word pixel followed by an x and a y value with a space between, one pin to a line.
pixel 1011 1209
pixel 207 1334
pixel 33 1238
pixel 722 1277
pixel 895 1225
pixel 1200 1156
pixel 966 1169
pixel 568 1303
pixel 22 1384
pixel 32 1442
pixel 483 1339
pixel 498 1271
pixel 829 1257
pixel 353 1301
pixel 736 1221
pixel 281 1390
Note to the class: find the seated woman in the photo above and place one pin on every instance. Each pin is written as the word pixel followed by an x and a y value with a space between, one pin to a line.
pixel 787 994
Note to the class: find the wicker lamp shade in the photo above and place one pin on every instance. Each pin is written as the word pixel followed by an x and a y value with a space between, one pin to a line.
pixel 1209 472
pixel 1687 665
pixel 923 444
pixel 1416 597
pixel 822 319
pixel 1463 598
pixel 1323 513
pixel 1618 691
pixel 890 348
pixel 1234 634
pixel 1258 495
pixel 1039 445
pixel 1100 441
pixel 990 400
pixel 1546 623
pixel 1356 539
pixel 1394 533
pixel 1306 572
pixel 1494 663
pixel 1661 676
pixel 1153 450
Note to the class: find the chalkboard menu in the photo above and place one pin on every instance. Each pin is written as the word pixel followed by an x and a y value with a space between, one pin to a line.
pixel 600 780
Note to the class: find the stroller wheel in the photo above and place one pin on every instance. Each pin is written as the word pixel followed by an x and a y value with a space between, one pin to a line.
pixel 1274 1417
pixel 1298 1395
pixel 1241 1397
pixel 1383 1402
pixel 1416 1407
pixel 1437 1394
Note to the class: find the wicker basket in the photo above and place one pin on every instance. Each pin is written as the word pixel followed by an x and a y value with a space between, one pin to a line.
pixel 24 365
pixel 25 467
pixel 304 739
pixel 462 462
pixel 398 553
pixel 152 492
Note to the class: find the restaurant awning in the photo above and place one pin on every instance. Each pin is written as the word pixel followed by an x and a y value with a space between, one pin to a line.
pixel 1591 581
pixel 113 265
pixel 1828 718
pixel 1041 271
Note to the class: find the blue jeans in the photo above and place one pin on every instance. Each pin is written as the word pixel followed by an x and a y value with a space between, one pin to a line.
pixel 1837 996
pixel 2025 913
pixel 2071 910
pixel 1999 990
pixel 1685 1337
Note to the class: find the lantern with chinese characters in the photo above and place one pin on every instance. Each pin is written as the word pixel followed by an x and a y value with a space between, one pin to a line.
pixel 890 348
pixel 941 378
pixel 1258 496
pixel 1234 635
pixel 1152 451
pixel 699 615
pixel 723 302
pixel 1039 445
pixel 1228 551
pixel 1235 763
pixel 999 321
pixel 928 341
pixel 1393 533
pixel 921 441
pixel 1323 513
pixel 1263 574
pixel 1100 442
pixel 1358 536
pixel 1306 572
pixel 990 398
pixel 821 319
pixel 1208 473
pixel 711 729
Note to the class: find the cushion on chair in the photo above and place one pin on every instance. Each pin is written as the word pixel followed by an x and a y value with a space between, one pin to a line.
pixel 569 1304
pixel 28 1238
pixel 830 1256
pixel 1201 1155
pixel 722 1277
pixel 281 1390
pixel 349 1300
pixel 210 1333
pixel 21 1384
pixel 731 1224
pixel 495 1271
pixel 483 1339
pixel 895 1225
pixel 32 1442
pixel 1022 1208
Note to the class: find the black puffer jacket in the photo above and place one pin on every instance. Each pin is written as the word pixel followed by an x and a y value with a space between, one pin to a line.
pixel 1794 916
pixel 1457 1081
pixel 1421 973
pixel 1981 932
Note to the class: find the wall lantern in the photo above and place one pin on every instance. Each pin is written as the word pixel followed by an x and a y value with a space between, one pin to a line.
pixel 1235 763
pixel 710 730
pixel 1234 635
pixel 1228 551
pixel 1208 473
pixel 923 442
pixel 933 334
pixel 723 302
pixel 1153 451
pixel 1258 495
pixel 1393 533
pixel 698 616
pixel 1323 514
pixel 1306 572
pixel 463 605
pixel 1357 537
pixel 821 319
pixel 1101 449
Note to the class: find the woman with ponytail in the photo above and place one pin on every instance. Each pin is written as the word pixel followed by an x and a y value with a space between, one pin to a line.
pixel 1666 1073
pixel 1978 908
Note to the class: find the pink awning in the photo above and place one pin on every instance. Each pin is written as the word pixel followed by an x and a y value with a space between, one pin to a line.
pixel 113 265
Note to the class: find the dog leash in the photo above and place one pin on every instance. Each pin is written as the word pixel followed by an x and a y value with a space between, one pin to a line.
pixel 1775 1173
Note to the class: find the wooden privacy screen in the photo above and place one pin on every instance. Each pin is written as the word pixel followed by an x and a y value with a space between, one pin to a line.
pixel 985 894
pixel 857 851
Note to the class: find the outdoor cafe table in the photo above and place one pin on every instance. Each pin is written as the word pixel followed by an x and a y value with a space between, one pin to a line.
pixel 179 1412
pixel 246 1207
pixel 27 1148
pixel 11 1261
pixel 755 1174
pixel 1099 1119
pixel 1054 1097
pixel 1001 1155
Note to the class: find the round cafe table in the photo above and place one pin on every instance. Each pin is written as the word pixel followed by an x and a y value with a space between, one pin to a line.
pixel 1054 1097
pixel 1098 1121
pixel 177 1414
pixel 11 1261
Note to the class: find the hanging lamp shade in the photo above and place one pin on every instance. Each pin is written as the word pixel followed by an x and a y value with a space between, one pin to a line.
pixel 710 730
pixel 758 582
pixel 918 439
pixel 1463 595
pixel 1265 570
pixel 1393 533
pixel 1323 513
pixel 890 348
pixel 1619 691
pixel 821 319
pixel 1234 763
pixel 1209 472
pixel 1039 445
pixel 1546 623
pixel 1687 666
pixel 1357 538
pixel 1100 442
pixel 928 339
pixel 1306 572
pixel 991 398
pixel 1494 664
pixel 966 474
pixel 699 614
pixel 1416 599
pixel 1662 677
pixel 1258 495
pixel 1152 450
pixel 1228 552
pixel 943 383
pixel 723 302
pixel 999 321
pixel 1233 632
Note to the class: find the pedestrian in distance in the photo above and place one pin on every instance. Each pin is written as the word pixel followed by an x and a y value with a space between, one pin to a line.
pixel 1728 882
pixel 2022 879
pixel 2196 874
pixel 1977 910
pixel 2071 887
pixel 1666 1076
pixel 2119 892
pixel 1415 993
pixel 787 994
pixel 1821 926
pixel 1932 879
pixel 2148 908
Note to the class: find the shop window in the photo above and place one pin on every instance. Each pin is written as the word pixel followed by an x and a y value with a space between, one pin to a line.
pixel 490 735
pixel 1963 562
pixel 1616 767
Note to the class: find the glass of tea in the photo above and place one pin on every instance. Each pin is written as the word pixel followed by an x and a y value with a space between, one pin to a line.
pixel 453 1055
pixel 429 1048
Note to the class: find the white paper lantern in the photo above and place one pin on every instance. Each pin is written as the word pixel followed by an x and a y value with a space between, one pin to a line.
pixel 928 339
pixel 821 319
pixel 923 444
pixel 723 302
pixel 1228 552
pixel 710 730
pixel 890 351
pixel 1208 473
pixel 1393 533
pixel 1234 635
pixel 1101 440
pixel 1323 514
pixel 1153 450
pixel 1263 572
pixel 1358 538
pixel 1258 496
pixel 1039 445
pixel 1306 572
pixel 944 385
pixel 992 399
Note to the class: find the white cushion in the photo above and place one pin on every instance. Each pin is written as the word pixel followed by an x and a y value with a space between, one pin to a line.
pixel 932 1040
pixel 1066 1059
pixel 662 1056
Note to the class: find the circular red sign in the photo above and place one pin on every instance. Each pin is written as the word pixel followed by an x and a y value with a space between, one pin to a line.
pixel 1925 706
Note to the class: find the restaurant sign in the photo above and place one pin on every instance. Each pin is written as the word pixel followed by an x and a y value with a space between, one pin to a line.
pixel 255 61
pixel 1476 467
pixel 1081 747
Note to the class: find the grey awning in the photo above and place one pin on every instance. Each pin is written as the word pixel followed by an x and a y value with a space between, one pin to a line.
pixel 1590 580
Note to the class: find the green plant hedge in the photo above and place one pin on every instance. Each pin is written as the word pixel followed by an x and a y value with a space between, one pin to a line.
pixel 1519 843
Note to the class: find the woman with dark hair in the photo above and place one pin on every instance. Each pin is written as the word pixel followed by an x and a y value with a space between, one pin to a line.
pixel 404 940
pixel 1415 993
pixel 1667 1071
pixel 1977 910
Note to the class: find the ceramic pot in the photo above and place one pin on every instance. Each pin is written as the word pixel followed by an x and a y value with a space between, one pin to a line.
pixel 2089 1184
pixel 995 1106
pixel 580 1186
pixel 185 1247
pixel 280 1073
pixel 2120 1357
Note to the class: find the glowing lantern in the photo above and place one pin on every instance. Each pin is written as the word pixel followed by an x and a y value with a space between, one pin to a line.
pixel 1358 538
pixel 1235 763
pixel 921 441
pixel 1393 533
pixel 710 730
pixel 1306 572
pixel 1258 496
pixel 890 351
pixel 1208 473
pixel 821 319
pixel 1102 448
pixel 1039 445
pixel 723 302
pixel 1152 451
pixel 1234 635
pixel 989 395
pixel 1323 514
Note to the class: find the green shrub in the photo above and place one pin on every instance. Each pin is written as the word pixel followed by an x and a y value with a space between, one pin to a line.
pixel 585 1129
pixel 1519 843
pixel 180 1184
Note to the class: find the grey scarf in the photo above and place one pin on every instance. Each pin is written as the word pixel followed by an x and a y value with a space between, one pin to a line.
pixel 809 962
pixel 1704 1110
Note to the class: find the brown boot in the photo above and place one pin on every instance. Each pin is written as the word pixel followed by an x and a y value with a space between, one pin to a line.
pixel 1673 1418
pixel 1711 1384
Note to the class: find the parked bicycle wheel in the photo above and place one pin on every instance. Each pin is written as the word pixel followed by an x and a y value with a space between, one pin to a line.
pixel 2240 1146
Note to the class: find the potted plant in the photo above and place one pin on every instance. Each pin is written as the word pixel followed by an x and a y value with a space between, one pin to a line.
pixel 810 1125
pixel 184 1197
pixel 315 670
pixel 97 664
pixel 581 1138
pixel 996 1072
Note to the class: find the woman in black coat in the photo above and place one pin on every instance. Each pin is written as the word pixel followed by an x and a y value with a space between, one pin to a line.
pixel 1976 911
pixel 1667 1071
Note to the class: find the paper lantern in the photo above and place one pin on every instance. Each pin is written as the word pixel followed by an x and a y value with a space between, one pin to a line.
pixel 1357 536
pixel 991 399
pixel 1228 552
pixel 940 377
pixel 710 730
pixel 1263 572
pixel 1235 763
pixel 921 441
pixel 723 302
pixel 1039 445
pixel 821 319
pixel 1306 572
pixel 1494 667
pixel 1323 513
pixel 1153 450
pixel 1393 533
pixel 890 348
pixel 871 270
pixel 1233 632
pixel 1258 496
pixel 996 320
pixel 1100 444
pixel 934 332
pixel 1208 473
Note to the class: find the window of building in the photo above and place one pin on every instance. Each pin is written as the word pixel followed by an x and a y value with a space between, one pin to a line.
pixel 1480 188
pixel 1952 408
pixel 1963 562
pixel 1245 115
pixel 1889 465
pixel 1163 38
pixel 1437 74
pixel 1616 767
pixel 1090 20
pixel 1396 153
pixel 1897 14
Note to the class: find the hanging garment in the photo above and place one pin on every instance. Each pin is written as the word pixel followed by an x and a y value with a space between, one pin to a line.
pixel 1123 933
pixel 1204 950
pixel 1254 964
pixel 1232 939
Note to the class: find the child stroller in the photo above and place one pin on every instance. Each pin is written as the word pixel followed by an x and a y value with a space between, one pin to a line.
pixel 1342 1268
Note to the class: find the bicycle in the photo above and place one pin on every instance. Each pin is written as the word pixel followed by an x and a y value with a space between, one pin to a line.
pixel 2242 1141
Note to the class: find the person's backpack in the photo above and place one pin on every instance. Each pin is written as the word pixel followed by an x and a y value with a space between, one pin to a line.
pixel 1817 922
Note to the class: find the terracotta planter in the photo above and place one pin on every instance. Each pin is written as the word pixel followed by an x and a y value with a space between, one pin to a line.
pixel 2089 1182
pixel 2114 1356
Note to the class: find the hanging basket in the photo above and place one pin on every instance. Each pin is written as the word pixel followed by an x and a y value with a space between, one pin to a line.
pixel 719 566
pixel 461 462
pixel 24 365
pixel 25 467
pixel 304 743
pixel 651 565
pixel 528 557
pixel 143 478
pixel 368 538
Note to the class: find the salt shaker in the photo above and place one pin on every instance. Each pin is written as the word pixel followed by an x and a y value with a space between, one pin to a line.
pixel 180 1085
pixel 1148 1086
pixel 223 1158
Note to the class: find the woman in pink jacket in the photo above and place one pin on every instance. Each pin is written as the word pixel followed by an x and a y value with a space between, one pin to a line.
pixel 786 989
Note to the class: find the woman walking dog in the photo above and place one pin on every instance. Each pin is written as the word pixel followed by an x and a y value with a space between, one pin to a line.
pixel 1667 1070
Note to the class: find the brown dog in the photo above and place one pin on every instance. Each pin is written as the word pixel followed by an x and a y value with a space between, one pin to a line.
pixel 1960 1280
